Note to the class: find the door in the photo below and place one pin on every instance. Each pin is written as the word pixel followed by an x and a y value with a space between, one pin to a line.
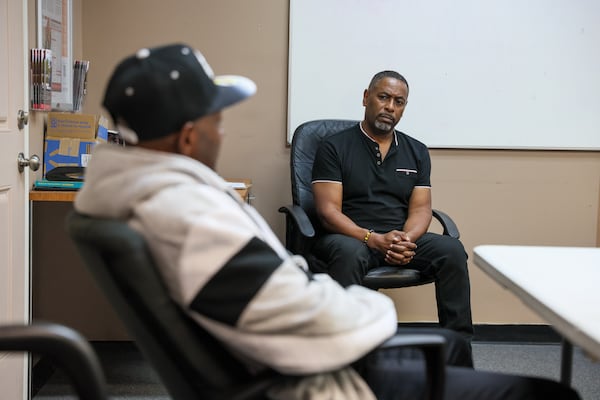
pixel 14 215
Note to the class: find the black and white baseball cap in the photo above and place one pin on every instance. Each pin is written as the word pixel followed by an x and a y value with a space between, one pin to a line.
pixel 157 90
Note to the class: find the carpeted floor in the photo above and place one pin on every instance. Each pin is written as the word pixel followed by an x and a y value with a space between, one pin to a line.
pixel 542 360
pixel 130 378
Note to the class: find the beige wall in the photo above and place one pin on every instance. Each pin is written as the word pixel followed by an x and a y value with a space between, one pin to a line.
pixel 513 197
pixel 236 37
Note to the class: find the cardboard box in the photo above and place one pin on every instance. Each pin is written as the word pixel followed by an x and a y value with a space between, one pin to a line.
pixel 70 138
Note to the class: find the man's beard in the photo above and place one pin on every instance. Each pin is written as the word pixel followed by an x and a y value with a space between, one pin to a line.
pixel 383 126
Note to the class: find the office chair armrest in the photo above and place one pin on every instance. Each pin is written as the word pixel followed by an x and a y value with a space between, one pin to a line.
pixel 299 218
pixel 66 348
pixel 447 223
pixel 432 347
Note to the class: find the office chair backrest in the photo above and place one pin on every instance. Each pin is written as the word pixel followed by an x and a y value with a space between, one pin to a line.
pixel 305 142
pixel 190 362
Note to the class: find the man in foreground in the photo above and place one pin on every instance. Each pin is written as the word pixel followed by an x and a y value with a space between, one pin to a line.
pixel 223 264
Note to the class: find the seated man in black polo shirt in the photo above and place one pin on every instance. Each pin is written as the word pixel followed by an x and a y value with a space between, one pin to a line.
pixel 373 193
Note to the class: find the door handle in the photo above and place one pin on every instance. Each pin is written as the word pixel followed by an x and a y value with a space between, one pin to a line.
pixel 32 162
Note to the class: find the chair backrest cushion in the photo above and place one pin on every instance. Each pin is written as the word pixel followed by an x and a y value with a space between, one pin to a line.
pixel 305 142
pixel 189 360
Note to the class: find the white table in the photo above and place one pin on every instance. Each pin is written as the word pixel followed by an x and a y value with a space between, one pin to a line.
pixel 561 284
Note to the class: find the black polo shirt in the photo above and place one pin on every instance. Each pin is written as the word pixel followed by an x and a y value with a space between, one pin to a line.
pixel 376 192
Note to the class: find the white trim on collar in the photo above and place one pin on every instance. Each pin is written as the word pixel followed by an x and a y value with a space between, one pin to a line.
pixel 373 140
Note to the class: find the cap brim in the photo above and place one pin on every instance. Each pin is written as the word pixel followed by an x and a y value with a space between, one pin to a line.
pixel 231 89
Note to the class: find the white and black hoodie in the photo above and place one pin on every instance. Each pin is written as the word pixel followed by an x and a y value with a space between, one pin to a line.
pixel 228 270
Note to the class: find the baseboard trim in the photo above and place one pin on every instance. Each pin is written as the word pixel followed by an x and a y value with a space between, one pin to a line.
pixel 512 333
pixel 516 333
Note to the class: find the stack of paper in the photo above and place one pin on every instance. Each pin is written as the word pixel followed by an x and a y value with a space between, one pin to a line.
pixel 237 185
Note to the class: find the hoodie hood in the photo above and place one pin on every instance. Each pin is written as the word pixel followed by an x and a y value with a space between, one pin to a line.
pixel 119 178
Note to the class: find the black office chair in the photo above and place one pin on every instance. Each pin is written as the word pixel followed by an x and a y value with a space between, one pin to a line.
pixel 190 362
pixel 302 225
pixel 65 348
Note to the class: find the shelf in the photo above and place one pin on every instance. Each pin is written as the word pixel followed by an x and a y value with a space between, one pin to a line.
pixel 69 195
pixel 52 195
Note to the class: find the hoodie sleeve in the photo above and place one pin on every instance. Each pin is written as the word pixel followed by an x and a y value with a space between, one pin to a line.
pixel 241 285
pixel 294 322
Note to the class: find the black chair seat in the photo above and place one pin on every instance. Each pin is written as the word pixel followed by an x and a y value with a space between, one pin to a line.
pixel 394 277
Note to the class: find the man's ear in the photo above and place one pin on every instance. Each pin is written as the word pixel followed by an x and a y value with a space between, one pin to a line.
pixel 365 95
pixel 186 139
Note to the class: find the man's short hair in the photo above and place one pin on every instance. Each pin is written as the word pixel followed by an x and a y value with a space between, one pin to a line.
pixel 387 74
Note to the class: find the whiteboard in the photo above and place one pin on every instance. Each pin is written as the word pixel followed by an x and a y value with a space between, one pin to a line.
pixel 498 74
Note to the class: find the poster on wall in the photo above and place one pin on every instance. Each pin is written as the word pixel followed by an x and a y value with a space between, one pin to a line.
pixel 54 32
